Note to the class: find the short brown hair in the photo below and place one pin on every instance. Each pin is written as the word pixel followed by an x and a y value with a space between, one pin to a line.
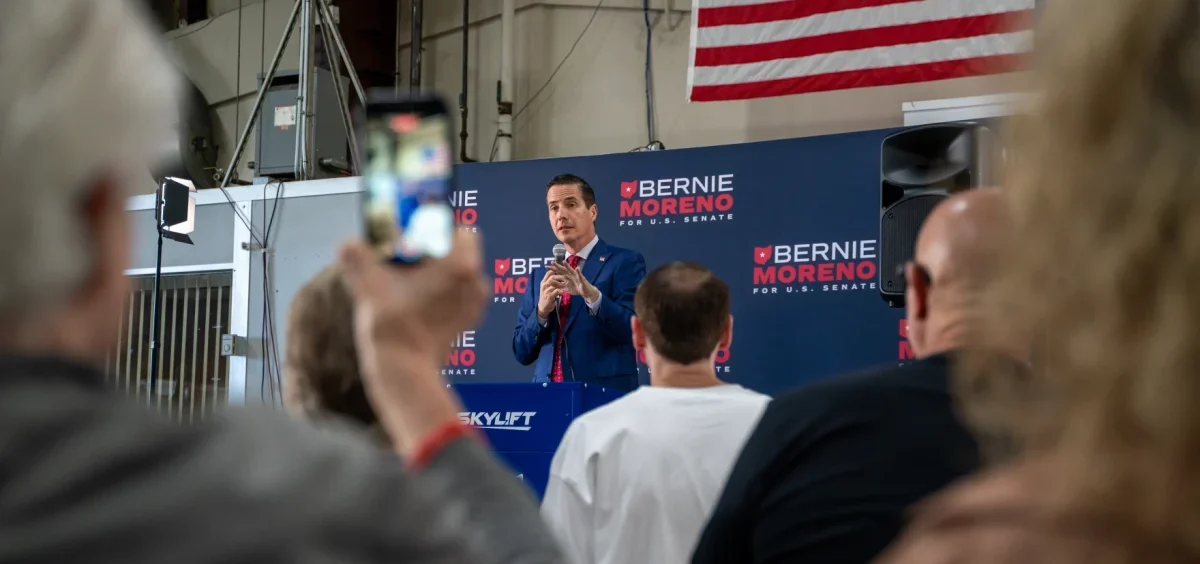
pixel 585 189
pixel 321 377
pixel 684 309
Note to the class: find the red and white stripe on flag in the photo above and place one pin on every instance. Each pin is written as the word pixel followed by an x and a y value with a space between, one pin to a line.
pixel 744 49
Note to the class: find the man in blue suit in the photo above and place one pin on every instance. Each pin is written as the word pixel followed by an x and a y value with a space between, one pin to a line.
pixel 574 318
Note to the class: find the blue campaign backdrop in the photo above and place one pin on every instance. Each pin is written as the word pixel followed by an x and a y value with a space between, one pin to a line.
pixel 792 226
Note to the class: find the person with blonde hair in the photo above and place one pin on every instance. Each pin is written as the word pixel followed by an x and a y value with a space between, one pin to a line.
pixel 1105 270
pixel 321 380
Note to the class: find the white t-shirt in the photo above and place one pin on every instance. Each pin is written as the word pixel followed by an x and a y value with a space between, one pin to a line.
pixel 634 481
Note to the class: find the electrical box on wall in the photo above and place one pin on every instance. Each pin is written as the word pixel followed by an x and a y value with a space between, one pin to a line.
pixel 278 127
pixel 233 345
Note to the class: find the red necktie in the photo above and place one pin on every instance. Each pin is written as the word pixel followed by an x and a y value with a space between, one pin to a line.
pixel 564 307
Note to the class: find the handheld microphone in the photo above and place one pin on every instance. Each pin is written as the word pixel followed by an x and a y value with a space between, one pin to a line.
pixel 560 255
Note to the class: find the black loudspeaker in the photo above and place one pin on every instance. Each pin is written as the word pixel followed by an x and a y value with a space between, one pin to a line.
pixel 919 167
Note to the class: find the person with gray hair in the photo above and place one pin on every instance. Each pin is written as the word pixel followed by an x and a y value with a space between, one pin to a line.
pixel 89 475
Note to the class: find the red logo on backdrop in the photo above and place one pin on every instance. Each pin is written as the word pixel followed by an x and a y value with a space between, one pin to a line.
pixel 722 360
pixel 762 255
pixel 512 276
pixel 668 201
pixel 461 360
pixel 466 208
pixel 840 266
pixel 628 189
pixel 906 352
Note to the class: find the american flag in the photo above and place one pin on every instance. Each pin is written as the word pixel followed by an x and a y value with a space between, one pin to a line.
pixel 436 158
pixel 744 49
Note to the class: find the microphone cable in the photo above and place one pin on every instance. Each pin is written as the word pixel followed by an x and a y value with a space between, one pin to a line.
pixel 562 327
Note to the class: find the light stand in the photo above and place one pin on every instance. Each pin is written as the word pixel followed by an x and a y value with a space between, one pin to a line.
pixel 154 298
pixel 313 11
pixel 174 218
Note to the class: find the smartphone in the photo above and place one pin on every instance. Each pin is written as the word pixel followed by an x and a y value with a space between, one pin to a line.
pixel 408 176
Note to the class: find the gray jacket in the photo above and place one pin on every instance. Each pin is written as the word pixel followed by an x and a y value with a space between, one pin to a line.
pixel 89 476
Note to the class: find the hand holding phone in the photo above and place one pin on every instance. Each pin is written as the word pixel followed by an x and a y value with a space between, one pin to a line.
pixel 408 177
pixel 405 320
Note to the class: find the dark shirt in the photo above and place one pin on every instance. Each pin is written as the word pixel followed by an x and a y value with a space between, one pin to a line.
pixel 90 476
pixel 828 474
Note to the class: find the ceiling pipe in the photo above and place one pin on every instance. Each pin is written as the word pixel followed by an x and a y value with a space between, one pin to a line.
pixel 504 120
pixel 396 74
pixel 414 50
pixel 462 96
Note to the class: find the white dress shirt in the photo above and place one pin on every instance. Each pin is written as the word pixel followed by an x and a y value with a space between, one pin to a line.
pixel 634 481
pixel 583 256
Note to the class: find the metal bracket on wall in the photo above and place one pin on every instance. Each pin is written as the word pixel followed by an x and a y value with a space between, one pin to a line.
pixel 670 11
pixel 233 345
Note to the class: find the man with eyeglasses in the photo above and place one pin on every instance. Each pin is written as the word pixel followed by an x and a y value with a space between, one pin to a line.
pixel 832 468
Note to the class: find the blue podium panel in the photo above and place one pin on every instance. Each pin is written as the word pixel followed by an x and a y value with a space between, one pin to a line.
pixel 520 417
pixel 532 467
pixel 528 417
pixel 595 396
pixel 525 422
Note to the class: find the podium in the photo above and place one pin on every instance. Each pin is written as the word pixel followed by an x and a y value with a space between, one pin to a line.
pixel 524 422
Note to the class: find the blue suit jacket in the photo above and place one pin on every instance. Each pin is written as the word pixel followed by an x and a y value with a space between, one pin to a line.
pixel 599 347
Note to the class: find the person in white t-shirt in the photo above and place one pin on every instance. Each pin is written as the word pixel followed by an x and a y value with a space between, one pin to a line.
pixel 634 481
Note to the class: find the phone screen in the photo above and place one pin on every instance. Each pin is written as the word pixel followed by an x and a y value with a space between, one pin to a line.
pixel 408 175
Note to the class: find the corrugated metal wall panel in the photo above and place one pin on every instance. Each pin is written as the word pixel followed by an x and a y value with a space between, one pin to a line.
pixel 192 374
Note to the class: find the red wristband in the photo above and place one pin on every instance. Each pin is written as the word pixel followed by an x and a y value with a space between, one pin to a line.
pixel 437 440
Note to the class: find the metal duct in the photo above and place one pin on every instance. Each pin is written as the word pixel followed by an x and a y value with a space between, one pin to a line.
pixel 191 151
pixel 414 54
pixel 462 96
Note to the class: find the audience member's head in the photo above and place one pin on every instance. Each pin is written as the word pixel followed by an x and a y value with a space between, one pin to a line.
pixel 70 155
pixel 953 262
pixel 321 376
pixel 948 280
pixel 682 319
pixel 1105 262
